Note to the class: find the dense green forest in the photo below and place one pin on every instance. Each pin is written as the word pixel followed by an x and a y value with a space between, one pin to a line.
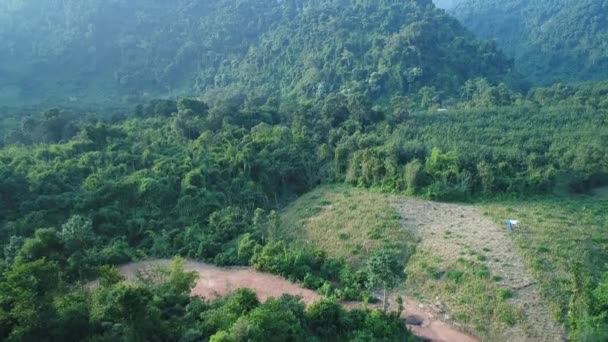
pixel 551 41
pixel 139 129
pixel 91 51
pixel 445 4
pixel 202 180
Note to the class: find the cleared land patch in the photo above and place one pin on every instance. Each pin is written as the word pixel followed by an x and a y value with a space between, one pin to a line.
pixel 461 263
pixel 214 282
pixel 347 223
pixel 469 263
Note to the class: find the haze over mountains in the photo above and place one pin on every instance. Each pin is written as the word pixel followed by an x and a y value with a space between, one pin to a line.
pixel 94 49
pixel 559 40
pixel 445 4
pixel 299 138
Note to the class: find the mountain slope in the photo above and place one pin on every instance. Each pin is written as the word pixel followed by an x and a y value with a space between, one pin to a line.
pixel 445 4
pixel 294 47
pixel 557 40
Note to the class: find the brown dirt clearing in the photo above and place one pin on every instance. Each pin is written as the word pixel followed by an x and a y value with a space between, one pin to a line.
pixel 216 282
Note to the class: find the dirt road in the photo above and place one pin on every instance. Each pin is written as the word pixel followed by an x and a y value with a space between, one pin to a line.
pixel 215 282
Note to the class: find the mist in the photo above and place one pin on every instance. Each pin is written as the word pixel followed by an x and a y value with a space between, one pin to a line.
pixel 445 4
pixel 368 170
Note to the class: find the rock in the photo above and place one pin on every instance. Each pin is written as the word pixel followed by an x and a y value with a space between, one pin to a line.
pixel 414 320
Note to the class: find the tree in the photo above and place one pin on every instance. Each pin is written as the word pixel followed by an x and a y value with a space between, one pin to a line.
pixel 487 177
pixel 77 234
pixel 325 319
pixel 198 107
pixel 274 321
pixel 246 248
pixel 27 291
pixel 131 309
pixel 335 109
pixel 399 301
pixel 413 176
pixel 384 271
pixel 227 223
pixel 400 109
pixel 46 243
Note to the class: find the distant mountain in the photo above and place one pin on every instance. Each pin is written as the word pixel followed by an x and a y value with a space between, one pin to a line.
pixel 445 4
pixel 91 49
pixel 551 40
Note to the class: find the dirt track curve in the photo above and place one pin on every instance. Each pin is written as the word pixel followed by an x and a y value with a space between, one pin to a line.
pixel 216 282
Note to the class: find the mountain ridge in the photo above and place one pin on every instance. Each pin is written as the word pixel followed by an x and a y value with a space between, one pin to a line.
pixel 300 48
pixel 551 41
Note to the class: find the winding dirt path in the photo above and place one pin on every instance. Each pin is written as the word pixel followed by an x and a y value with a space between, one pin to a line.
pixel 216 282
pixel 469 229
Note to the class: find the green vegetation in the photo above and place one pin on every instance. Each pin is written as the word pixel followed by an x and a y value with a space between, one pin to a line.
pixel 467 288
pixel 88 51
pixel 201 180
pixel 384 271
pixel 563 241
pixel 551 41
pixel 239 108
pixel 37 304
pixel 349 224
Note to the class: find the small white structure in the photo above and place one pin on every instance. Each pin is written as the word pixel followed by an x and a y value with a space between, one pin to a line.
pixel 441 110
pixel 512 224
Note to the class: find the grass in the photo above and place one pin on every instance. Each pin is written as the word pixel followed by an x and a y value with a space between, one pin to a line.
pixel 466 287
pixel 564 243
pixel 345 222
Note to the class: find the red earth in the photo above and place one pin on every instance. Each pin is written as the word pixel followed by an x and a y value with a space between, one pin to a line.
pixel 214 282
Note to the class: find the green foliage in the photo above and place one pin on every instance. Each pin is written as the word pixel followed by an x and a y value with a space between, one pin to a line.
pixel 558 40
pixel 326 319
pixel 385 271
pixel 290 262
pixel 304 49
pixel 26 299
pixel 394 95
pixel 276 320
pixel 564 246
pixel 36 304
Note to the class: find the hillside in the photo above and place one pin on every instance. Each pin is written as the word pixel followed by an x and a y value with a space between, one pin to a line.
pixel 302 147
pixel 86 51
pixel 445 4
pixel 559 40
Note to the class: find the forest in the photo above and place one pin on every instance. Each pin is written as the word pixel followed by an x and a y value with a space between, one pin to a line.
pixel 551 41
pixel 95 51
pixel 183 129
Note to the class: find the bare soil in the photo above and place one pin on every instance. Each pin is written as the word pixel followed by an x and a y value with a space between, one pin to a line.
pixel 216 282
pixel 469 229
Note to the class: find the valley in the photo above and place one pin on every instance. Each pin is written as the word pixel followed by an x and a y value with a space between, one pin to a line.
pixel 303 170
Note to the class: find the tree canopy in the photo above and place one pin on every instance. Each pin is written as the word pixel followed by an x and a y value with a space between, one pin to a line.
pixel 216 114
pixel 125 50
pixel 551 41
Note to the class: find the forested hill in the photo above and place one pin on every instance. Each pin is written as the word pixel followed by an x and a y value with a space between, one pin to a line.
pixel 85 50
pixel 445 4
pixel 558 40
